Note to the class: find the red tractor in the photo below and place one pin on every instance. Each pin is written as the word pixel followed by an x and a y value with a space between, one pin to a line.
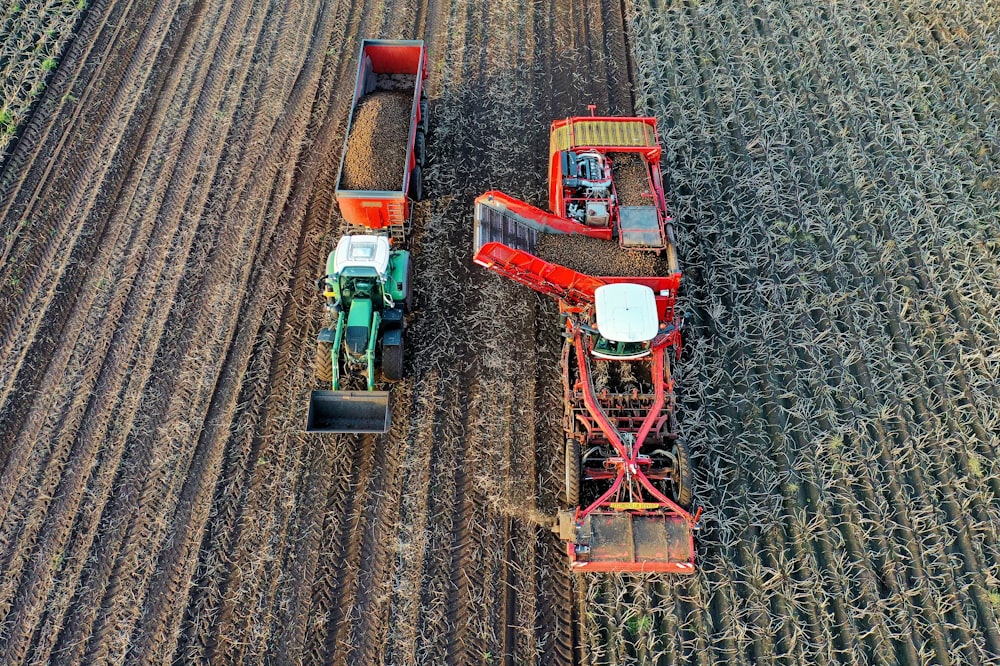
pixel 628 475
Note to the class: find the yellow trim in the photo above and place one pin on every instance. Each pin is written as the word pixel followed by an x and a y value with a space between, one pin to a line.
pixel 330 294
pixel 624 133
pixel 633 506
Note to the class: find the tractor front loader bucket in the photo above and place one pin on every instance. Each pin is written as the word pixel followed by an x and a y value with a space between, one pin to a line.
pixel 348 412
pixel 620 541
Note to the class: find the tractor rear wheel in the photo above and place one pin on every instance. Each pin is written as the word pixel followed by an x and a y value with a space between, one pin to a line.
pixel 572 473
pixel 392 360
pixel 683 480
pixel 324 362
pixel 420 148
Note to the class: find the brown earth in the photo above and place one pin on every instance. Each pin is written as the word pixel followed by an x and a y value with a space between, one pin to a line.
pixel 164 217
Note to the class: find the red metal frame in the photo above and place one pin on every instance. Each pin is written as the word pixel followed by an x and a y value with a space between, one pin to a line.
pixel 629 472
pixel 545 222
pixel 651 154
pixel 575 291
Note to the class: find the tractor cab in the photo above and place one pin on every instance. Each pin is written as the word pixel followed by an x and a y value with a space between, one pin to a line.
pixel 358 268
pixel 627 321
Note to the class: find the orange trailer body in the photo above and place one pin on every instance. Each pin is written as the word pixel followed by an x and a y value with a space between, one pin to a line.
pixel 386 211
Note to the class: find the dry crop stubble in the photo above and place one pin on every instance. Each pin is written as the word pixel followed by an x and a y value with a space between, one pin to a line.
pixel 832 255
pixel 36 33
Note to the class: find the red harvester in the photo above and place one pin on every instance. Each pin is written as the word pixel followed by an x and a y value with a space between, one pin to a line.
pixel 628 477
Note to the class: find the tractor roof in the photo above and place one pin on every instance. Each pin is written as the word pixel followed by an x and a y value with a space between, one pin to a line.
pixel 626 312
pixel 362 251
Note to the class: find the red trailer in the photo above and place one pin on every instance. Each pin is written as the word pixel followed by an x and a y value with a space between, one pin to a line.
pixel 377 182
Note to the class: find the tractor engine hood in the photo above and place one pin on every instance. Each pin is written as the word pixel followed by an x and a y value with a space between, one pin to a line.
pixel 359 320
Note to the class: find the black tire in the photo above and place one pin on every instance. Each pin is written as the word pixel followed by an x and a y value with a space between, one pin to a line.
pixel 416 184
pixel 683 481
pixel 572 473
pixel 420 148
pixel 424 121
pixel 408 299
pixel 324 363
pixel 392 360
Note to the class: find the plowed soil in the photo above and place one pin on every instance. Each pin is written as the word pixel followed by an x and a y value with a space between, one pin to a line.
pixel 833 174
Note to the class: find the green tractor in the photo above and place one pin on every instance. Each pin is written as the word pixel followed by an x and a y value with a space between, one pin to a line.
pixel 368 293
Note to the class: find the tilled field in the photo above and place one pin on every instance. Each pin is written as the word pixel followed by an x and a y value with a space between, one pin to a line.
pixel 834 178
pixel 164 219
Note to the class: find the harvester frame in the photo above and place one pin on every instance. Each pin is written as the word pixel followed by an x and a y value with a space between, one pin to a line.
pixel 628 523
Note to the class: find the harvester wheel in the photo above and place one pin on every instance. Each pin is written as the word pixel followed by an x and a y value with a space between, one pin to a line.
pixel 324 361
pixel 416 184
pixel 424 120
pixel 392 360
pixel 572 473
pixel 672 263
pixel 683 482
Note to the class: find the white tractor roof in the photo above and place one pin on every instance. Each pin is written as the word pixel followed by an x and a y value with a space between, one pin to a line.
pixel 626 312
pixel 365 251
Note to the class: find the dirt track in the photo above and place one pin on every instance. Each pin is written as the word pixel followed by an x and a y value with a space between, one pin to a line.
pixel 164 218
pixel 166 214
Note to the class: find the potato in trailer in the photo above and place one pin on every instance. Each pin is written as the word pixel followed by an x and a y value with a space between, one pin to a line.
pixel 382 161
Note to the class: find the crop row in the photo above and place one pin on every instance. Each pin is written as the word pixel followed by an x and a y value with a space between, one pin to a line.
pixel 34 34
pixel 834 173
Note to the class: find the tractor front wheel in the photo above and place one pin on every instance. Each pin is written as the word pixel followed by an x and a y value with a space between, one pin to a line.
pixel 324 361
pixel 392 360
pixel 572 473
pixel 683 480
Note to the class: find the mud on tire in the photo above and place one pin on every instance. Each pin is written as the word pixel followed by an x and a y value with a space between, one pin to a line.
pixel 572 473
pixel 324 362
